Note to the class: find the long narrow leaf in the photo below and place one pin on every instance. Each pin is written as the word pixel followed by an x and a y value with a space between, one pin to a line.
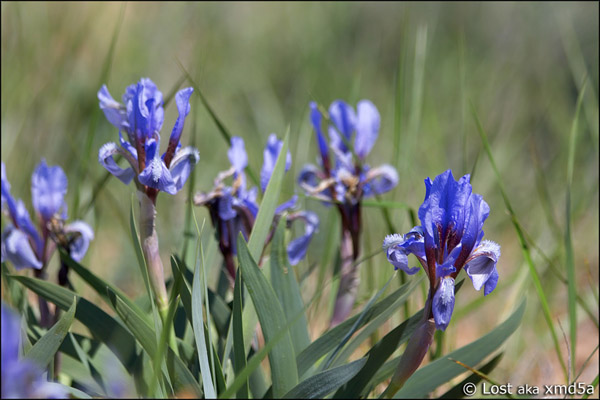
pixel 198 323
pixel 284 373
pixel 44 350
pixel 180 375
pixel 323 383
pixel 570 258
pixel 286 287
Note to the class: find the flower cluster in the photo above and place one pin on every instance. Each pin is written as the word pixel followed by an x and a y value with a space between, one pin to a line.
pixel 449 239
pixel 22 378
pixel 350 179
pixel 22 243
pixel 233 208
pixel 141 117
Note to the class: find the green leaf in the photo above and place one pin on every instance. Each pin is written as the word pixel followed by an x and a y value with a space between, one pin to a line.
pixel 570 257
pixel 198 324
pixel 239 350
pixel 442 370
pixel 98 284
pixel 283 280
pixel 256 359
pixel 323 383
pixel 378 354
pixel 44 350
pixel 181 377
pixel 284 374
pixel 332 338
pixel 102 326
pixel 260 230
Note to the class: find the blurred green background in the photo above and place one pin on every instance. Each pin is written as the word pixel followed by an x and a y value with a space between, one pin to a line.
pixel 521 66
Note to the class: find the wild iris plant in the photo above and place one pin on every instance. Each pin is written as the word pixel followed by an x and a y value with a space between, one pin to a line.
pixel 449 239
pixel 233 209
pixel 141 117
pixel 346 182
pixel 22 378
pixel 27 247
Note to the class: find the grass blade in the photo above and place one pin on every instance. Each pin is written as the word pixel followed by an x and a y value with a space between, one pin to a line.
pixel 323 383
pixel 284 374
pixel 43 350
pixel 239 351
pixel 283 280
pixel 198 324
pixel 180 375
pixel 570 258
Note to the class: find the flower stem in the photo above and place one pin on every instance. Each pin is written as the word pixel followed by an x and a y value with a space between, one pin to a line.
pixel 149 242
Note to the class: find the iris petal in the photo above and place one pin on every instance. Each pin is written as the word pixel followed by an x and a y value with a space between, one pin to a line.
pixel 17 249
pixel 237 154
pixel 315 119
pixel 105 157
pixel 344 120
pixel 79 246
pixel 286 205
pixel 482 263
pixel 48 189
pixel 226 211
pixel 367 127
pixel 382 179
pixel 443 303
pixel 297 248
pixel 182 165
pixel 182 98
pixel 114 111
pixel 270 155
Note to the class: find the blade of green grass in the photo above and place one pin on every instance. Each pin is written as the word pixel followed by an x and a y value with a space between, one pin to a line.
pixel 180 375
pixel 283 280
pixel 284 374
pixel 198 324
pixel 570 258
pixel 103 327
pixel 239 351
pixel 524 246
pixel 43 351
pixel 320 385
pixel 329 340
pixel 98 284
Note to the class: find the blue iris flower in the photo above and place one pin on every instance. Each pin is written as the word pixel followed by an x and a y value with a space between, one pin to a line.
pixel 448 240
pixel 22 244
pixel 352 135
pixel 141 117
pixel 233 208
pixel 22 378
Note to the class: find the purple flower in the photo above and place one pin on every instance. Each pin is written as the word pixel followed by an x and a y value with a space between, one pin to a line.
pixel 141 117
pixel 22 243
pixel 351 138
pixel 448 240
pixel 21 378
pixel 233 208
